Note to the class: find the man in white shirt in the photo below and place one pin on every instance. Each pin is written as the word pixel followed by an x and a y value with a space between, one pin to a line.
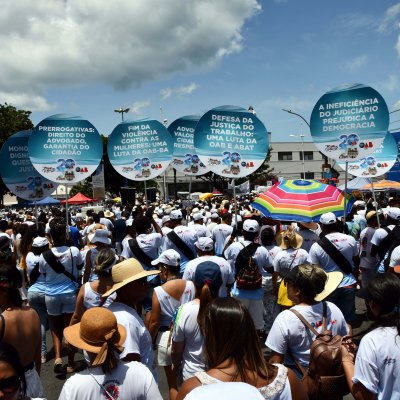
pixel 199 227
pixel 381 241
pixel 185 234
pixel 221 232
pixel 344 295
pixel 252 299
pixel 205 251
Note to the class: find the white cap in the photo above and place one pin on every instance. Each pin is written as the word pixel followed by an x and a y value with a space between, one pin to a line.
pixel 99 236
pixel 393 212
pixel 250 225
pixel 359 203
pixel 168 257
pixel 195 210
pixel 165 219
pixel 204 244
pixel 175 214
pixel 40 241
pixel 197 217
pixel 328 218
pixel 214 215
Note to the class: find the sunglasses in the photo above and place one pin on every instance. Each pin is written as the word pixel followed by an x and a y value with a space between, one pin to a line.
pixel 10 385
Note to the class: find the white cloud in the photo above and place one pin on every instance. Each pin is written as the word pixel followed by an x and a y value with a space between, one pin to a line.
pixel 391 19
pixel 391 84
pixel 180 91
pixel 26 101
pixel 138 106
pixel 355 64
pixel 121 43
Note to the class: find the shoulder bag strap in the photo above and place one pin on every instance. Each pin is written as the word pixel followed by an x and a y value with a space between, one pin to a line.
pixel 139 253
pixel 339 259
pixel 181 245
pixel 304 321
pixel 57 266
pixel 324 315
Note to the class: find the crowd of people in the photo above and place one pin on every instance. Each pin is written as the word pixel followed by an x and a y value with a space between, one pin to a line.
pixel 229 303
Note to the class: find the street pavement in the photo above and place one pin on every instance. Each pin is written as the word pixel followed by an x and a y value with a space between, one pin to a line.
pixel 52 383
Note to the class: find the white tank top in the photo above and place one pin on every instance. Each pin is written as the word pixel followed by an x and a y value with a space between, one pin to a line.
pixel 279 388
pixel 93 299
pixel 169 305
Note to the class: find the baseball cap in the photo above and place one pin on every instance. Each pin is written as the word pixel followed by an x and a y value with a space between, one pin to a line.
pixel 165 219
pixel 168 257
pixel 360 203
pixel 197 217
pixel 214 215
pixel 328 218
pixel 40 241
pixel 205 244
pixel 251 225
pixel 393 212
pixel 175 215
pixel 208 273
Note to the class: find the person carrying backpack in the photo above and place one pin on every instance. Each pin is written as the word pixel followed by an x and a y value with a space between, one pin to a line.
pixel 386 239
pixel 291 339
pixel 248 259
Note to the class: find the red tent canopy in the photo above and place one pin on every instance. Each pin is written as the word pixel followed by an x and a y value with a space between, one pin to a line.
pixel 79 198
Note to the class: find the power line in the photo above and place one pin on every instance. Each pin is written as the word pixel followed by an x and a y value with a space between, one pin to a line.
pixel 397 120
pixel 391 112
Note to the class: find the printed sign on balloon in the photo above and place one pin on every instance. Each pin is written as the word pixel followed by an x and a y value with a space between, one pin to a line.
pixel 140 150
pixel 65 148
pixel 185 159
pixel 349 122
pixel 231 141
pixel 378 163
pixel 17 170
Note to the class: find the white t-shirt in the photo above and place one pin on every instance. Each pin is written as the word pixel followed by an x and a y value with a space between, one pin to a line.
pixel 186 329
pixel 70 258
pixel 366 261
pixel 288 332
pixel 130 381
pixel 149 243
pixel 395 257
pixel 187 235
pixel 289 258
pixel 201 230
pixel 138 339
pixel 226 270
pixel 219 235
pixel 346 244
pixel 309 238
pixel 273 250
pixel 380 234
pixel 378 363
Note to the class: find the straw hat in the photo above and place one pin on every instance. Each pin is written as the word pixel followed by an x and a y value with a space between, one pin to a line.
pixel 313 226
pixel 126 272
pixel 97 330
pixel 289 239
pixel 332 281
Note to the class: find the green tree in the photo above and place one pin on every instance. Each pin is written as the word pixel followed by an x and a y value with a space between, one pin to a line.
pixel 84 187
pixel 12 120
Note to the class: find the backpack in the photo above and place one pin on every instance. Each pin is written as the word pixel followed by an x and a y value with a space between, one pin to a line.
pixel 325 378
pixel 248 275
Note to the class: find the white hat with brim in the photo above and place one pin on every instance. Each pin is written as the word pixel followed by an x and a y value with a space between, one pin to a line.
pixel 126 272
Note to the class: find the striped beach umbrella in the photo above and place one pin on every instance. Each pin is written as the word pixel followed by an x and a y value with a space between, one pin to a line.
pixel 301 201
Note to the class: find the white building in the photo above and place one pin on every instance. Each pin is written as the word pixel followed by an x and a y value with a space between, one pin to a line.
pixel 287 160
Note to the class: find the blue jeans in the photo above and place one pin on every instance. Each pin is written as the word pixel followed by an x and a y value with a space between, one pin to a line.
pixel 345 299
pixel 37 302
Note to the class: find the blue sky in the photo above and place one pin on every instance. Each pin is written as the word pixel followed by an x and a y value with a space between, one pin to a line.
pixel 189 56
